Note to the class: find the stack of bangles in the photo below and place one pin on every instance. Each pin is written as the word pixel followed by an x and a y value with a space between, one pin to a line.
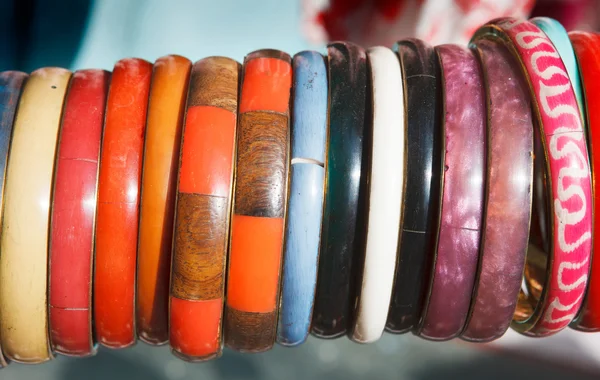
pixel 446 191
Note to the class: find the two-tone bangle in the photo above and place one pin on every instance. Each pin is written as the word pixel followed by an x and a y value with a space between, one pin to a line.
pixel 556 287
pixel 25 221
pixel 166 109
pixel 342 231
pixel 587 50
pixel 457 254
pixel 203 210
pixel 421 202
pixel 118 203
pixel 71 253
pixel 386 188
pixel 257 223
pixel 305 204
pixel 11 84
pixel 509 177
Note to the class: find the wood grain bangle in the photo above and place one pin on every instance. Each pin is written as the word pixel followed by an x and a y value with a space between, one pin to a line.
pixel 118 203
pixel 386 188
pixel 25 222
pixel 74 212
pixel 422 194
pixel 457 255
pixel 545 311
pixel 305 205
pixel 508 185
pixel 166 108
pixel 343 229
pixel 203 210
pixel 11 85
pixel 587 50
pixel 260 198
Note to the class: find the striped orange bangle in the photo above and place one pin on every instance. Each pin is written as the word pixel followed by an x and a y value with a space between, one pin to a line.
pixel 118 203
pixel 260 199
pixel 203 209
pixel 166 108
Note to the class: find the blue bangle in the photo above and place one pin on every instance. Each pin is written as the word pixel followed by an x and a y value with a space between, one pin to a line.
pixel 560 38
pixel 305 207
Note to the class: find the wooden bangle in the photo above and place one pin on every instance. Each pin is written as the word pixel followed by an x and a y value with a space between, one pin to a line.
pixel 422 194
pixel 73 214
pixel 508 185
pixel 557 287
pixel 587 50
pixel 305 205
pixel 203 210
pixel 260 198
pixel 457 255
pixel 166 107
pixel 11 84
pixel 343 228
pixel 386 188
pixel 118 203
pixel 25 221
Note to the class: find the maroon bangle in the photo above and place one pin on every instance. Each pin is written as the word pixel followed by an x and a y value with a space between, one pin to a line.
pixel 508 194
pixel 457 255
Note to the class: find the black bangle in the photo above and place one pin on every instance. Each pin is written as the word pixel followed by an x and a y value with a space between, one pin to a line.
pixel 343 230
pixel 418 237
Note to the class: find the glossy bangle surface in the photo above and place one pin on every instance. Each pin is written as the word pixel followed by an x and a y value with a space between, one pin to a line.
pixel 74 212
pixel 25 221
pixel 203 210
pixel 305 205
pixel 118 203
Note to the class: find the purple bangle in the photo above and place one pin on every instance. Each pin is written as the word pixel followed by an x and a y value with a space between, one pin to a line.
pixel 457 255
pixel 508 189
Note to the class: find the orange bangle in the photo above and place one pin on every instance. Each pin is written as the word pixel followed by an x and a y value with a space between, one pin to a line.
pixel 260 200
pixel 203 209
pixel 118 202
pixel 159 180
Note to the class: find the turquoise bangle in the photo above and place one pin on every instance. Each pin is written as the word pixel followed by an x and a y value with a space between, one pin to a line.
pixel 560 38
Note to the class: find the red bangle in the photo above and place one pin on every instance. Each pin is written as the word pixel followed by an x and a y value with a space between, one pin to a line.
pixel 118 203
pixel 74 212
pixel 587 50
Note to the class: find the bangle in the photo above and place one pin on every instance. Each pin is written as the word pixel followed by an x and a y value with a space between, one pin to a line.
pixel 305 205
pixel 587 47
pixel 11 84
pixel 342 234
pixel 73 214
pixel 260 196
pixel 203 210
pixel 455 262
pixel 25 222
pixel 422 195
pixel 166 108
pixel 118 202
pixel 555 292
pixel 386 188
pixel 508 184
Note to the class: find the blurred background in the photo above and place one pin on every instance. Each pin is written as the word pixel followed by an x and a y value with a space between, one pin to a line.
pixel 95 34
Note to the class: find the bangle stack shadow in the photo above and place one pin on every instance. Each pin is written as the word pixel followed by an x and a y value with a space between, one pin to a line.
pixel 446 191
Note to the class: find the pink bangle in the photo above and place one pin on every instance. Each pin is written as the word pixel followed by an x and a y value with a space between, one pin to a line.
pixel 556 290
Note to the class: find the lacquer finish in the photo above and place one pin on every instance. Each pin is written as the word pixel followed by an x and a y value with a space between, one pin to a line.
pixel 418 237
pixel 117 217
pixel 203 210
pixel 166 108
pixel 386 188
pixel 509 177
pixel 257 224
pixel 457 255
pixel 305 204
pixel 73 215
pixel 26 216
